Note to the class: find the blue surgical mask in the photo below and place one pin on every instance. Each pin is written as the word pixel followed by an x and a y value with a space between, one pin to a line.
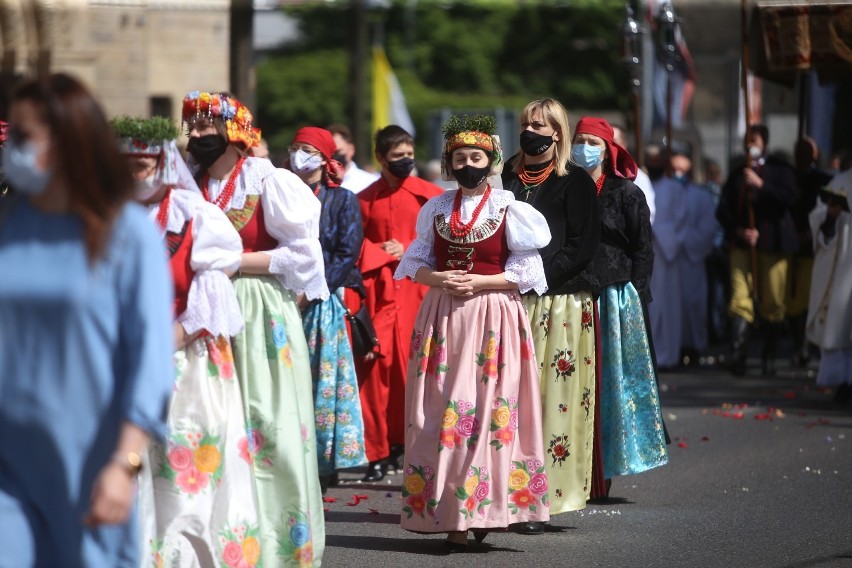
pixel 586 156
pixel 303 163
pixel 21 170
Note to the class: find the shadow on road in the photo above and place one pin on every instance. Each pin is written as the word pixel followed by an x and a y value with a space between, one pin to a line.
pixel 426 546
pixel 828 560
pixel 361 517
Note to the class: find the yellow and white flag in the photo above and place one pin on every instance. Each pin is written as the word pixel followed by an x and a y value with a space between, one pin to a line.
pixel 388 101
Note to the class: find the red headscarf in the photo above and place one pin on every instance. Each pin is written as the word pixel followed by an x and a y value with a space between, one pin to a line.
pixel 621 161
pixel 322 140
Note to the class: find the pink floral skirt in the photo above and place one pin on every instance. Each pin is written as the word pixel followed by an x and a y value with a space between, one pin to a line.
pixel 474 455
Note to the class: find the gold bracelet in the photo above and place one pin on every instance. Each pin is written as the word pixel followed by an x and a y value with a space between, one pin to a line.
pixel 131 462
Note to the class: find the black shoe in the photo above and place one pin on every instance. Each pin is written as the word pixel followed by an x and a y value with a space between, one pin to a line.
pixel 802 353
pixel 771 335
pixel 452 547
pixel 394 460
pixel 330 480
pixel 479 534
pixel 528 528
pixel 376 471
pixel 739 337
pixel 843 394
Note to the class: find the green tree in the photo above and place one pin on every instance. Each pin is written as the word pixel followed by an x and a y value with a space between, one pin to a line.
pixel 474 54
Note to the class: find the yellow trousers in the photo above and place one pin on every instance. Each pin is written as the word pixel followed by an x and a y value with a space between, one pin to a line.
pixel 799 287
pixel 772 285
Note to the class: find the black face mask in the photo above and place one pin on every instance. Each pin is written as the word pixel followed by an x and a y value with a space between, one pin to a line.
pixel 340 158
pixel 207 149
pixel 470 177
pixel 401 168
pixel 534 144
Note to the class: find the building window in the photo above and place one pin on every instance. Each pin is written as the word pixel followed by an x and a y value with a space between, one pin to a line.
pixel 161 106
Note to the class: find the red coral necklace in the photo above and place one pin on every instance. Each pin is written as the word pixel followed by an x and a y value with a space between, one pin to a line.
pixel 163 209
pixel 599 183
pixel 458 229
pixel 225 197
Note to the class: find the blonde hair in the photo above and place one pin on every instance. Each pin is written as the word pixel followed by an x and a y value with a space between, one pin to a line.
pixel 555 115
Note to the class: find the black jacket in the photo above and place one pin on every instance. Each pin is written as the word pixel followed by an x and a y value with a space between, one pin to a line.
pixel 626 252
pixel 570 205
pixel 772 205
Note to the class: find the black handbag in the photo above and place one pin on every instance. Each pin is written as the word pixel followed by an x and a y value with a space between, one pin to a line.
pixel 364 338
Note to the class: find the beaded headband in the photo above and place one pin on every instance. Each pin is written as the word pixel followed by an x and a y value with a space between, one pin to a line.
pixel 469 138
pixel 471 131
pixel 234 114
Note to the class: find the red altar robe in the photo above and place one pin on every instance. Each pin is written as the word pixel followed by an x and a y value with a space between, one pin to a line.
pixel 388 214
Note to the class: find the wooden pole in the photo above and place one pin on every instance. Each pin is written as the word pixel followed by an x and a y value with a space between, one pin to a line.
pixel 357 62
pixel 241 70
pixel 744 71
pixel 669 69
pixel 803 104
pixel 747 112
pixel 637 127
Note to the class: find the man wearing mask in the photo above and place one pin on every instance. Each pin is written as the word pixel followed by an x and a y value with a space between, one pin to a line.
pixel 697 245
pixel 754 211
pixel 354 178
pixel 389 209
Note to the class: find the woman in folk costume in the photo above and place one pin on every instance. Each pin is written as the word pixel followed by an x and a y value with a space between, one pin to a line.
pixel 339 424
pixel 562 321
pixel 277 217
pixel 196 497
pixel 830 310
pixel 473 446
pixel 631 425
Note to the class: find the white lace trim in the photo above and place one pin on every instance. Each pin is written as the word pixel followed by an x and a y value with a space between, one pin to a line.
pixel 250 182
pixel 212 306
pixel 418 255
pixel 288 264
pixel 526 269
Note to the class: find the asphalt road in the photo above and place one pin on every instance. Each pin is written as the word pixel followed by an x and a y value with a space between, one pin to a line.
pixel 760 475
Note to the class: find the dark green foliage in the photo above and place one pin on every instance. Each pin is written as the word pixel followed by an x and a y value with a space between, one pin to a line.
pixel 473 54
pixel 467 123
pixel 154 128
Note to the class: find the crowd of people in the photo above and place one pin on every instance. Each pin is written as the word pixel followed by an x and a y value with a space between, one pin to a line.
pixel 739 258
pixel 496 344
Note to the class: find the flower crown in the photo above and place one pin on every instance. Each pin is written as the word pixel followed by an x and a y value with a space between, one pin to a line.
pixel 234 114
pixel 477 131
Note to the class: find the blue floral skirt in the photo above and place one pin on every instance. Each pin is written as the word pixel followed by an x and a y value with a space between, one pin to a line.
pixel 632 435
pixel 337 405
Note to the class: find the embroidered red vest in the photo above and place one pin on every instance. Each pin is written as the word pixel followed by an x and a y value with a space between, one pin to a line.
pixel 249 222
pixel 180 251
pixel 483 251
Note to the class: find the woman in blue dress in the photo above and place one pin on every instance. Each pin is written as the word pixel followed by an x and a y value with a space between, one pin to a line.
pixel 632 434
pixel 85 356
pixel 339 423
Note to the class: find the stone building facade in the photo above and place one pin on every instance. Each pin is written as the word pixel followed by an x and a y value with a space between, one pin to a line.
pixel 140 57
